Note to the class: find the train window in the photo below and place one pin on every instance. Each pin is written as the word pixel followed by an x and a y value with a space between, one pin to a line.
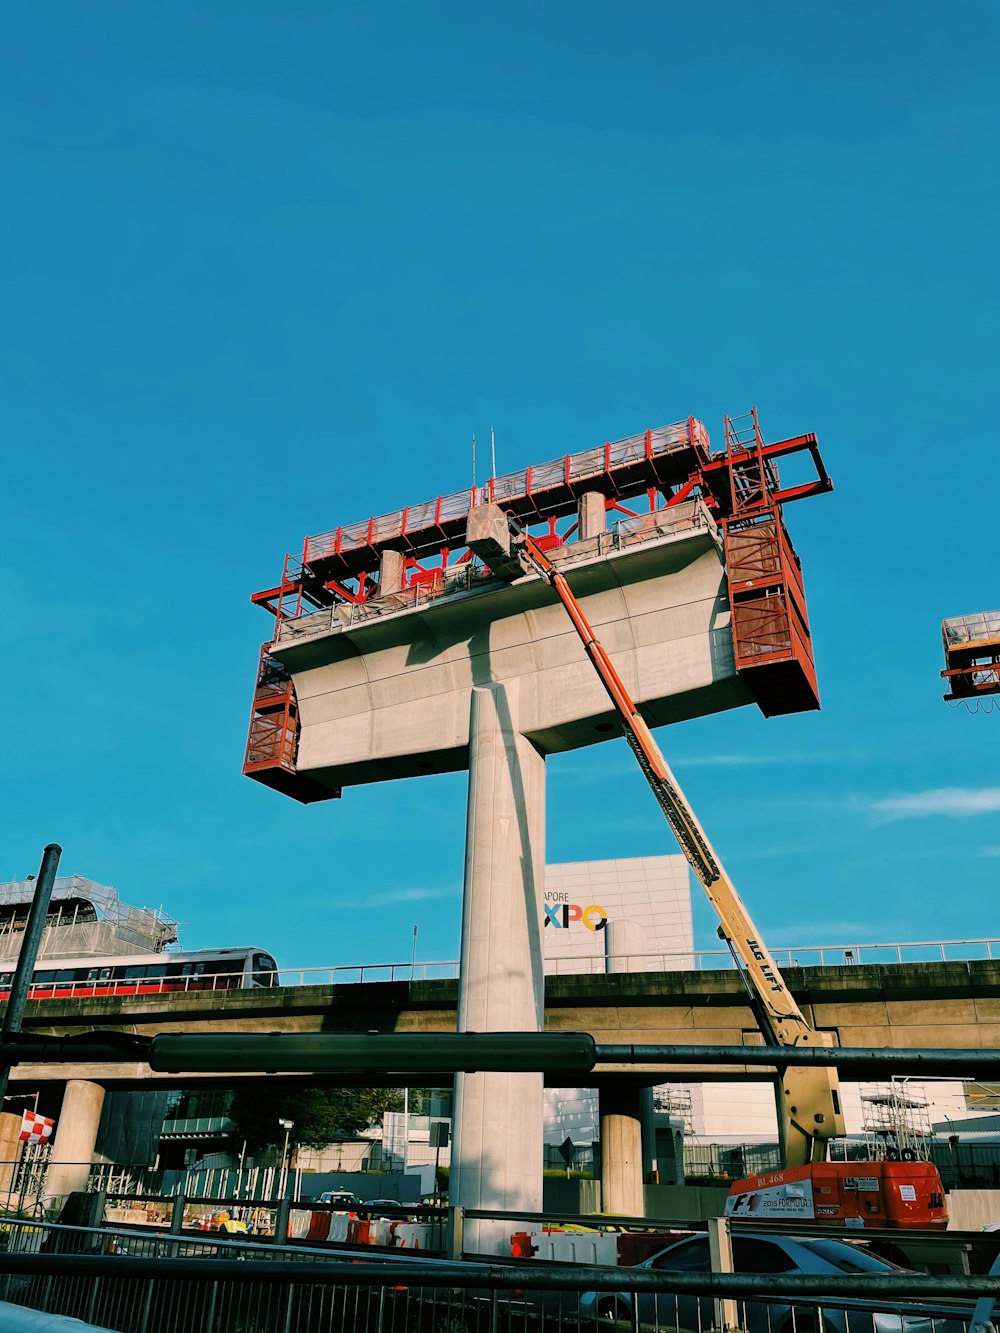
pixel 5 978
pixel 264 968
pixel 66 974
pixel 92 974
pixel 44 978
pixel 156 970
pixel 186 970
pixel 134 972
pixel 105 973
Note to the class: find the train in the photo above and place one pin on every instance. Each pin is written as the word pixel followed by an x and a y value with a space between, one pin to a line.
pixel 146 974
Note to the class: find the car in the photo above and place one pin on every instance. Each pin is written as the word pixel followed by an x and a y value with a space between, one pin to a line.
pixel 340 1198
pixel 758 1253
pixel 376 1204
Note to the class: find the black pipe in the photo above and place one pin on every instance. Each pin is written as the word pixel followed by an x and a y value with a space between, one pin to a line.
pixel 86 1049
pixel 932 1060
pixel 30 943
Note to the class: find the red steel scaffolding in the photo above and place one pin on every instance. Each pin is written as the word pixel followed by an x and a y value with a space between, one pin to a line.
pixel 739 484
pixel 972 655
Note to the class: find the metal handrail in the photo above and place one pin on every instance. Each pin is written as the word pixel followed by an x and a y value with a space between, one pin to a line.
pixel 696 960
pixel 881 1290
pixel 661 960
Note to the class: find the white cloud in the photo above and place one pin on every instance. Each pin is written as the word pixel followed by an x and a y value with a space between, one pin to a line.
pixel 376 898
pixel 414 895
pixel 991 851
pixel 950 801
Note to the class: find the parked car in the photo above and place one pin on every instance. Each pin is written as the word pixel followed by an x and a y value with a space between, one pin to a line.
pixel 376 1204
pixel 763 1254
pixel 340 1198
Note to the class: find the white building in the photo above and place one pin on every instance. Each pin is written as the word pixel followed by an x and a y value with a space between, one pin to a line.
pixel 626 915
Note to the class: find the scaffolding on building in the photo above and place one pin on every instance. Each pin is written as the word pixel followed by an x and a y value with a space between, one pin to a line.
pixel 972 656
pixel 896 1121
pixel 674 1101
pixel 346 570
pixel 84 919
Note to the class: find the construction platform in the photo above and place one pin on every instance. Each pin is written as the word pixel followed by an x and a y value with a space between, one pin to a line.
pixel 972 655
pixel 680 557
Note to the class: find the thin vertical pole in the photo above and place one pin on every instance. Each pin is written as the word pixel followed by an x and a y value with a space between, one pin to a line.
pixel 14 1013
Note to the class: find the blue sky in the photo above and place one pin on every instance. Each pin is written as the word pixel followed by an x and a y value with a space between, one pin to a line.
pixel 269 267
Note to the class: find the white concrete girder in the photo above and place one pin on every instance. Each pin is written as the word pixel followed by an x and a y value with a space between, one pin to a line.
pixel 383 697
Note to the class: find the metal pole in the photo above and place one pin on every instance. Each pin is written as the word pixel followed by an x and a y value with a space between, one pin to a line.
pixel 284 1165
pixel 720 1247
pixel 33 929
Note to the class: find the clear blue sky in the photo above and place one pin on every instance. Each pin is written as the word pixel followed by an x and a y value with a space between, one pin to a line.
pixel 269 267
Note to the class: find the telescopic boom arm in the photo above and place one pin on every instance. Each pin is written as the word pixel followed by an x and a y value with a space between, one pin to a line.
pixel 809 1111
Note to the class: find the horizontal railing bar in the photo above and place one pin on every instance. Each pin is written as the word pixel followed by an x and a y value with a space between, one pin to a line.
pixel 407 971
pixel 500 1276
pixel 926 1059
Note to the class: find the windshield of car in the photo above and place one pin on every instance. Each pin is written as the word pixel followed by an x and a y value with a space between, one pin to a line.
pixel 847 1258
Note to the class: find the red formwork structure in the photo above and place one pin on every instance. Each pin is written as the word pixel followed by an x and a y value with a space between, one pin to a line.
pixel 659 468
pixel 972 656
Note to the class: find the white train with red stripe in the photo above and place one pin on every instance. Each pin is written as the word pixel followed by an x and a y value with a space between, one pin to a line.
pixel 146 974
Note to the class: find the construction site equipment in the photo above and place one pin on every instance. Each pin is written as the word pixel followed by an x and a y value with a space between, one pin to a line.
pixel 809 1102
pixel 420 553
pixel 972 655
pixel 808 1098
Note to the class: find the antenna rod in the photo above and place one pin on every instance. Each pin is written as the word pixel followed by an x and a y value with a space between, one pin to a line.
pixel 493 454
pixel 473 462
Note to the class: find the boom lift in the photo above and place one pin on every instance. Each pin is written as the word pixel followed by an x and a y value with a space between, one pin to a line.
pixel 907 1194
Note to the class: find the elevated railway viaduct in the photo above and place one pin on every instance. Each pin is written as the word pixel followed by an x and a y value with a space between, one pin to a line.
pixel 938 1004
pixel 942 1004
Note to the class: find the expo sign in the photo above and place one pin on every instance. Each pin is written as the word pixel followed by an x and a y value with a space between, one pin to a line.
pixel 561 913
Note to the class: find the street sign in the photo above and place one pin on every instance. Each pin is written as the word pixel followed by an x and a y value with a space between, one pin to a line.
pixel 567 1151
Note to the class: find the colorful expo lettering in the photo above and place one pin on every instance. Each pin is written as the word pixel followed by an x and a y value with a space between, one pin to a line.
pixel 561 915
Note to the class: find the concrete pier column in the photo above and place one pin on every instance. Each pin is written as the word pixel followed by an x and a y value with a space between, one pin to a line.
pixel 591 515
pixel 496 1157
pixel 621 1149
pixel 76 1135
pixel 391 572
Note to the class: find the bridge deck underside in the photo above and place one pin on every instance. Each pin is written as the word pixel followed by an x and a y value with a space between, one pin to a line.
pixel 914 1005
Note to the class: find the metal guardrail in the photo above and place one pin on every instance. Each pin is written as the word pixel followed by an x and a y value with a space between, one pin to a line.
pixel 680 960
pixel 167 1284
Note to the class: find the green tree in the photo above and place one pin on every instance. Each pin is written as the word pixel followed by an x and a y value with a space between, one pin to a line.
pixel 320 1115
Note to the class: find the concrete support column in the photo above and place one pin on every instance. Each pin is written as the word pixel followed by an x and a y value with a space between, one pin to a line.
pixel 391 573
pixel 621 1149
pixel 76 1135
pixel 592 515
pixel 496 1159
